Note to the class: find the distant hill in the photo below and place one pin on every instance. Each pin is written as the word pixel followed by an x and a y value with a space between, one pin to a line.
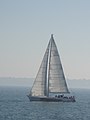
pixel 9 81
pixel 79 83
pixel 13 81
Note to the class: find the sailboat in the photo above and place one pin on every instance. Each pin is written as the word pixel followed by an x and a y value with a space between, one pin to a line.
pixel 50 83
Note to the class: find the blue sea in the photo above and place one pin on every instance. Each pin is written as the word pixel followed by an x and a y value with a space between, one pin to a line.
pixel 15 105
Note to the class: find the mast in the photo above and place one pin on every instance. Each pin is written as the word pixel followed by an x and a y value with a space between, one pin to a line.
pixel 46 73
pixel 48 69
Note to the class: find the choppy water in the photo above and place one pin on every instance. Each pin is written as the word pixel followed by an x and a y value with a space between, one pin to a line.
pixel 14 105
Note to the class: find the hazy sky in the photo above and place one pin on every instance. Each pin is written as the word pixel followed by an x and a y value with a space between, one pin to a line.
pixel 25 28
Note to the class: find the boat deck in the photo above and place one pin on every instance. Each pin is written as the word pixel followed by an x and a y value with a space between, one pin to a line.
pixel 51 99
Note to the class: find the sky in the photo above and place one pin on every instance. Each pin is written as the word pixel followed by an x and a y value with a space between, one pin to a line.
pixel 25 30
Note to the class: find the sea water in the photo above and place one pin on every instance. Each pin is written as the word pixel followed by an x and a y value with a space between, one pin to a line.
pixel 15 105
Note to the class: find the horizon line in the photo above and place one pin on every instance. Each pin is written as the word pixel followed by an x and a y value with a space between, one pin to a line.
pixel 34 78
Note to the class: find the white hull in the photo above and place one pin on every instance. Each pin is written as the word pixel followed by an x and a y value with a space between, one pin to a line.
pixel 51 99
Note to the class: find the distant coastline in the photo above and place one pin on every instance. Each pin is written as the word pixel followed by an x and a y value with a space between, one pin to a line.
pixel 23 81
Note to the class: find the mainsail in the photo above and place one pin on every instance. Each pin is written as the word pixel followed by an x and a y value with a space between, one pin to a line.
pixel 50 77
pixel 57 82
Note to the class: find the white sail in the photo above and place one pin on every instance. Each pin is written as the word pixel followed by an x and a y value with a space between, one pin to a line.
pixel 56 76
pixel 40 84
